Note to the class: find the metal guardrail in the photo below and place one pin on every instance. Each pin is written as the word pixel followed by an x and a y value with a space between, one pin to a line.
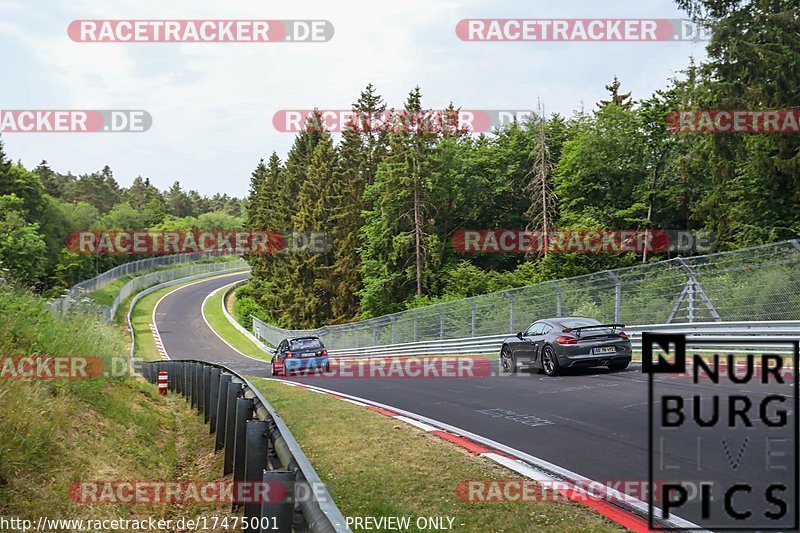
pixel 258 446
pixel 78 302
pixel 724 334
pixel 760 283
pixel 76 293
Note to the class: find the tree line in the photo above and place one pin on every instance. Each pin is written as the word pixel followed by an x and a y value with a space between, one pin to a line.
pixel 391 200
pixel 39 208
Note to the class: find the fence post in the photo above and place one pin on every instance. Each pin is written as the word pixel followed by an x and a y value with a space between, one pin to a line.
pixel 559 298
pixel 441 325
pixel 617 295
pixel 512 301
pixel 474 314
pixel 415 328
pixel 394 328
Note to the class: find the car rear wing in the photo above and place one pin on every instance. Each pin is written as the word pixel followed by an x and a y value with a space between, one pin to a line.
pixel 578 330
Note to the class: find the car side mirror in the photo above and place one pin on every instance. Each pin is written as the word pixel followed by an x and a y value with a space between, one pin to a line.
pixel 519 335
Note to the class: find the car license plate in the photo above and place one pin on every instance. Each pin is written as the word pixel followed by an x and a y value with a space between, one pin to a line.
pixel 604 349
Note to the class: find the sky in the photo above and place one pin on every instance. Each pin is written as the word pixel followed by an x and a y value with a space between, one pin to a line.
pixel 212 103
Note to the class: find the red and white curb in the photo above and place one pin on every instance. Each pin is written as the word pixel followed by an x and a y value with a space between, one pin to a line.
pixel 159 343
pixel 632 514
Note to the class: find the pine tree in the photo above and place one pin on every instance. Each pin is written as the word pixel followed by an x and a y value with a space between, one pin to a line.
pixel 621 100
pixel 541 212
pixel 397 236
pixel 310 273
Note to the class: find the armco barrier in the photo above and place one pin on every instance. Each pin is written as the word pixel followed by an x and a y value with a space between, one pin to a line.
pixel 106 313
pixel 258 446
pixel 725 334
pixel 758 284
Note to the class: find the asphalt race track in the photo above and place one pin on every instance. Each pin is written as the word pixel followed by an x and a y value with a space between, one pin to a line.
pixel 592 422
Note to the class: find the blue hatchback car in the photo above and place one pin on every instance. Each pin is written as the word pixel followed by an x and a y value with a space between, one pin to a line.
pixel 300 354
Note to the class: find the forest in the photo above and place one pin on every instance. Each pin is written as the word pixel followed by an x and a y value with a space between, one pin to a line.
pixel 392 199
pixel 39 208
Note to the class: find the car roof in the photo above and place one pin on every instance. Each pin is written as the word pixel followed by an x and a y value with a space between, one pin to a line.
pixel 560 318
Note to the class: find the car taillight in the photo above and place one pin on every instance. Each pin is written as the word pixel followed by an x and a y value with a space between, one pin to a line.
pixel 288 354
pixel 324 351
pixel 566 339
pixel 623 335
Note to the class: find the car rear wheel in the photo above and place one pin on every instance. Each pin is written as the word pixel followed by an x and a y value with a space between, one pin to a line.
pixel 619 366
pixel 550 362
pixel 508 363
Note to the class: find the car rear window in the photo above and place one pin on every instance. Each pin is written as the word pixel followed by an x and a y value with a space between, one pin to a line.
pixel 306 344
pixel 579 322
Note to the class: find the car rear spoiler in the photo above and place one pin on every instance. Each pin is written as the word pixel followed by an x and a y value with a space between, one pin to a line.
pixel 578 330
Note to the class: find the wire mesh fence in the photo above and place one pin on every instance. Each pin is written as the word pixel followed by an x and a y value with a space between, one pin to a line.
pixel 759 283
pixel 77 299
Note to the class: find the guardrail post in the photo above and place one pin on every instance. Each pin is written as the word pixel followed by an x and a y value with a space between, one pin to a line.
pixel 187 381
pixel 218 421
pixel 234 393
pixel 283 511
pixel 206 394
pixel 213 398
pixel 201 388
pixel 198 387
pixel 195 371
pixel 255 459
pixel 244 412
pixel 173 372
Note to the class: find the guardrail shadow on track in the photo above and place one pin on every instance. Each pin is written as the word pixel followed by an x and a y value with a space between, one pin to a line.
pixel 258 446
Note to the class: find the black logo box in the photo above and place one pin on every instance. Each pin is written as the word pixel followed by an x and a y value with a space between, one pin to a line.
pixel 679 367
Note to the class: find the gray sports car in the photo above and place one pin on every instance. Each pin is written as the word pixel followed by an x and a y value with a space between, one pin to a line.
pixel 554 344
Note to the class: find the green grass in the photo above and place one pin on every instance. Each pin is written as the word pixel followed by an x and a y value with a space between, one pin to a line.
pixel 55 432
pixel 212 310
pixel 376 466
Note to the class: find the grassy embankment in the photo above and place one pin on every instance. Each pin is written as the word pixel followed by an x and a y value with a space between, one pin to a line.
pixel 55 432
